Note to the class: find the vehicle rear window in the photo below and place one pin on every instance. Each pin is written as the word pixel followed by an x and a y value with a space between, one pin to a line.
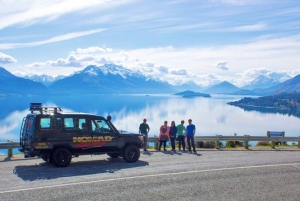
pixel 51 123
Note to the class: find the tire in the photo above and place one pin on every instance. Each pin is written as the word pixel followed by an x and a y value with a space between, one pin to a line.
pixel 114 155
pixel 61 157
pixel 131 153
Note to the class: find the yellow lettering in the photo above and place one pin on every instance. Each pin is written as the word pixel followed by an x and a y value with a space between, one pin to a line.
pixel 77 139
pixel 108 138
pixel 92 139
pixel 42 147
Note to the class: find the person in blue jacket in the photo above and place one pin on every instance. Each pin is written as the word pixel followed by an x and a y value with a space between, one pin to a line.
pixel 190 133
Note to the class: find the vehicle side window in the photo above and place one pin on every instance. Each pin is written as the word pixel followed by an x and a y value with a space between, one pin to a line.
pixel 45 123
pixel 51 123
pixel 100 126
pixel 75 123
pixel 56 123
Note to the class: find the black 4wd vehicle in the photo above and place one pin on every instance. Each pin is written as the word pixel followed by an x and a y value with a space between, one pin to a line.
pixel 56 137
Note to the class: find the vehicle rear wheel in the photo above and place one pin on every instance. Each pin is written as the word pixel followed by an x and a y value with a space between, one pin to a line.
pixel 61 157
pixel 131 153
pixel 114 155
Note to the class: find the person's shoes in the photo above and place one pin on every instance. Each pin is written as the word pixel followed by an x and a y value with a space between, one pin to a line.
pixel 159 150
pixel 145 150
pixel 195 152
pixel 165 150
pixel 190 152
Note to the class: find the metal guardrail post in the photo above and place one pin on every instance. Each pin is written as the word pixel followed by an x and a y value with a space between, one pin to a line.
pixel 156 145
pixel 10 153
pixel 246 142
pixel 273 144
pixel 246 145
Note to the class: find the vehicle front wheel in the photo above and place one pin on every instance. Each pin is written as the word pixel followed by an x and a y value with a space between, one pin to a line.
pixel 61 157
pixel 131 153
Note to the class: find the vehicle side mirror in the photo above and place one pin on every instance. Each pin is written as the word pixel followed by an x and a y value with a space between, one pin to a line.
pixel 108 118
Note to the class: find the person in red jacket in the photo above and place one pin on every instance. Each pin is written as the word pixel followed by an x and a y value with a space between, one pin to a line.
pixel 164 135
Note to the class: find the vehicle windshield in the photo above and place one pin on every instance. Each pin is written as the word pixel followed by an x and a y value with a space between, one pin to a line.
pixel 100 126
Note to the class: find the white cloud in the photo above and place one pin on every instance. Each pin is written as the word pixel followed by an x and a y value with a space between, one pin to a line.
pixel 253 27
pixel 91 50
pixel 29 12
pixel 240 2
pixel 178 72
pixel 51 40
pixel 163 69
pixel 167 62
pixel 6 59
pixel 222 65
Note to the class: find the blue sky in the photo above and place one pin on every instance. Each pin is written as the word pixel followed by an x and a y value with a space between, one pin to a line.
pixel 176 41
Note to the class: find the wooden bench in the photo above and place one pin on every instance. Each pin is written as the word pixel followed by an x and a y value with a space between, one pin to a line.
pixel 275 134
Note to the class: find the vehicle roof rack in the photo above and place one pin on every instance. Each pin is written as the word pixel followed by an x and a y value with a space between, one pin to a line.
pixel 37 107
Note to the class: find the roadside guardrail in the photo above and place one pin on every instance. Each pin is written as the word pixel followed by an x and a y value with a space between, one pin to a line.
pixel 246 139
pixel 9 145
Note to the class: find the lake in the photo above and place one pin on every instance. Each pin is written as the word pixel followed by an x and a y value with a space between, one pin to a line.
pixel 211 116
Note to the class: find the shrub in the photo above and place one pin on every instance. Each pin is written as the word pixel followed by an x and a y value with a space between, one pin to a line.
pixel 263 143
pixel 230 144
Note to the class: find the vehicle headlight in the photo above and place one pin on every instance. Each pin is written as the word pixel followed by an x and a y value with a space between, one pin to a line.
pixel 141 138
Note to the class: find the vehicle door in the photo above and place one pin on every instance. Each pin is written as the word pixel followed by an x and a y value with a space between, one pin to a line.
pixel 103 136
pixel 75 127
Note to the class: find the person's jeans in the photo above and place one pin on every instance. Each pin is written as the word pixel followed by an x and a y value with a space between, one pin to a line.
pixel 145 140
pixel 190 140
pixel 164 142
pixel 173 142
pixel 181 141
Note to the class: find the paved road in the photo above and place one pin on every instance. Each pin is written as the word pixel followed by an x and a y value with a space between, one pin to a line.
pixel 209 175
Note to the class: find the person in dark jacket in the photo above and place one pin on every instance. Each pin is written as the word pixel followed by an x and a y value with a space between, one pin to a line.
pixel 172 134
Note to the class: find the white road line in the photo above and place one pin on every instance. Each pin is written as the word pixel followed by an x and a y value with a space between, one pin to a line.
pixel 145 176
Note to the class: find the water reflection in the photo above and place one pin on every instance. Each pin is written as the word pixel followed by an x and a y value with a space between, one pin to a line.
pixel 295 113
pixel 210 115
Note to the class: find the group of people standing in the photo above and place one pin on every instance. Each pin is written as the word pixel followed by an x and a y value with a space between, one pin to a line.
pixel 173 133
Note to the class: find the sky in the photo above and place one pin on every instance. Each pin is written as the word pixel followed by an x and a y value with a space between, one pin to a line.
pixel 176 41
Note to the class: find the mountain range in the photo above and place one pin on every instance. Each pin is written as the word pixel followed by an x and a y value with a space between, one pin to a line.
pixel 106 79
pixel 13 85
pixel 261 82
pixel 111 78
pixel 46 80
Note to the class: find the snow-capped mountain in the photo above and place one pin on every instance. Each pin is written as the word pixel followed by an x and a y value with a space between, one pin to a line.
pixel 280 77
pixel 261 82
pixel 109 78
pixel 45 79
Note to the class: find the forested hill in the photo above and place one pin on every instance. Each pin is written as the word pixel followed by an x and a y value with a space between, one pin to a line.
pixel 282 101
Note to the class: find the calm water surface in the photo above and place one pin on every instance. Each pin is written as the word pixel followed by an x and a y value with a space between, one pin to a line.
pixel 211 116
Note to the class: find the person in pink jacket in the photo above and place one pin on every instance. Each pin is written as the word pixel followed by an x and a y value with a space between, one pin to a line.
pixel 164 135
